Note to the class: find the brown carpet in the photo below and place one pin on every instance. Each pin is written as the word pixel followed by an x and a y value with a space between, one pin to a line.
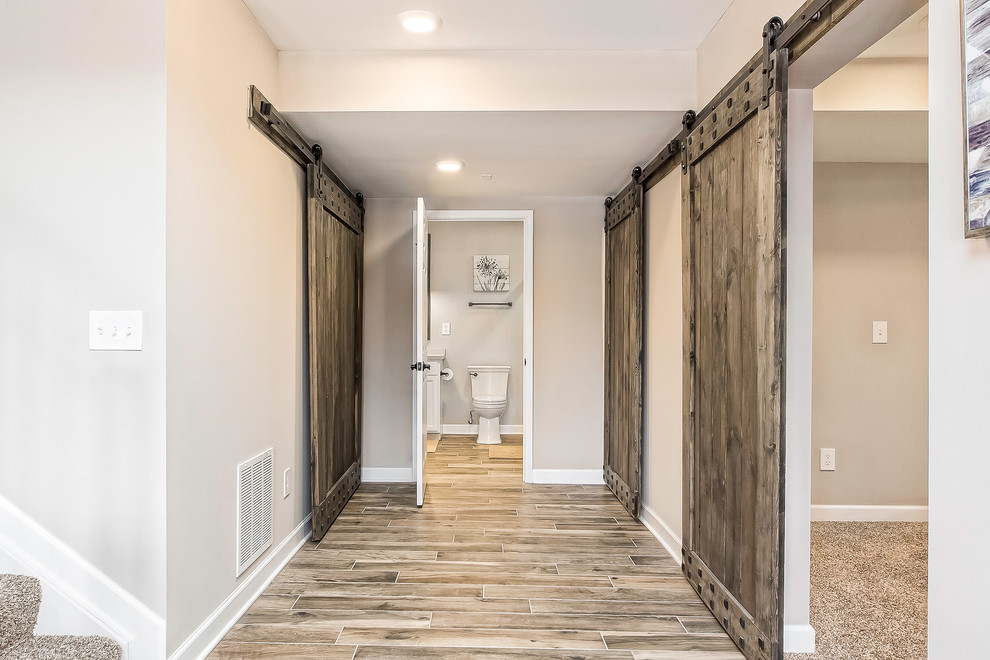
pixel 869 591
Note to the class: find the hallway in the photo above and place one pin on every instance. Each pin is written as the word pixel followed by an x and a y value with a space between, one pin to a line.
pixel 489 567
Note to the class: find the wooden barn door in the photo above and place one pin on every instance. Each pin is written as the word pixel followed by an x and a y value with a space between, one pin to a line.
pixel 733 203
pixel 336 236
pixel 624 304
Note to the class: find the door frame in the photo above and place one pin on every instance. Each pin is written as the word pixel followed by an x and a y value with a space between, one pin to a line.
pixel 526 217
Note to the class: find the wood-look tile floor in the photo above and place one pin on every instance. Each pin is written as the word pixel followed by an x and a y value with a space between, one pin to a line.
pixel 490 567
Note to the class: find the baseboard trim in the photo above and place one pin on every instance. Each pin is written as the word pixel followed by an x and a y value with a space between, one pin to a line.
pixel 799 638
pixel 387 475
pixel 860 513
pixel 138 629
pixel 209 633
pixel 670 541
pixel 472 429
pixel 590 477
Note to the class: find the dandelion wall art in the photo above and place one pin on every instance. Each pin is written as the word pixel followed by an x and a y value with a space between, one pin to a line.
pixel 491 273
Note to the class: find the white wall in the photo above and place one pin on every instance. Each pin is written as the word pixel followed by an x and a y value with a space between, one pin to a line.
pixel 82 225
pixel 237 375
pixel 959 288
pixel 799 231
pixel 664 361
pixel 478 335
pixel 568 406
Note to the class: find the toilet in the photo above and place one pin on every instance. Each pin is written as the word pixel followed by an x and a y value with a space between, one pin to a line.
pixel 489 390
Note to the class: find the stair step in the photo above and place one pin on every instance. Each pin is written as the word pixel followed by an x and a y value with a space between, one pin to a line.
pixel 64 647
pixel 20 599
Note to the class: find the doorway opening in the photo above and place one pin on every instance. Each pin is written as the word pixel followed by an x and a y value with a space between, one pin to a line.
pixel 862 296
pixel 478 307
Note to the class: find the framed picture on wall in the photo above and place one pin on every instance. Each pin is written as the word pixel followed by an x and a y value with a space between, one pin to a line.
pixel 976 110
pixel 491 273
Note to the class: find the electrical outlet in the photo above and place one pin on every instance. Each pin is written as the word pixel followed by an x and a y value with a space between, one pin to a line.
pixel 827 460
pixel 879 332
pixel 286 482
pixel 444 328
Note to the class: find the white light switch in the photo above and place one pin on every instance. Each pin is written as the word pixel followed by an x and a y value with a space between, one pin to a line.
pixel 879 332
pixel 115 331
pixel 444 328
pixel 286 482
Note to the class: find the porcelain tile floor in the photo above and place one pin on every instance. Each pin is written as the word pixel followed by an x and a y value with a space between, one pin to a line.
pixel 489 567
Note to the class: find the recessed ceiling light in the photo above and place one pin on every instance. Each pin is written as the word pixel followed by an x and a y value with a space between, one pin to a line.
pixel 417 20
pixel 449 165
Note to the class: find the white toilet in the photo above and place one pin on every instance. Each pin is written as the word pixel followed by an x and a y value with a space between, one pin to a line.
pixel 489 389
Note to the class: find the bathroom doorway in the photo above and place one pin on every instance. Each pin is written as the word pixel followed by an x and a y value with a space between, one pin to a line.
pixel 479 321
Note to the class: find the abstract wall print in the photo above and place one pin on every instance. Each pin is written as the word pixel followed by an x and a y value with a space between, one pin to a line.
pixel 491 272
pixel 976 57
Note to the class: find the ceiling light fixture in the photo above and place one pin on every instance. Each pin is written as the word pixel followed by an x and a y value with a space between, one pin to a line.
pixel 419 21
pixel 449 165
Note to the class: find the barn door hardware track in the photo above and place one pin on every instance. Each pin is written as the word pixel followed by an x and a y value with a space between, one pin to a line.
pixel 808 24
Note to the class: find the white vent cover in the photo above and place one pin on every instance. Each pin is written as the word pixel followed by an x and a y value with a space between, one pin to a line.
pixel 255 495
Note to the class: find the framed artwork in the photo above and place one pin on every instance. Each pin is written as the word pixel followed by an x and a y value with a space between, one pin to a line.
pixel 976 110
pixel 491 273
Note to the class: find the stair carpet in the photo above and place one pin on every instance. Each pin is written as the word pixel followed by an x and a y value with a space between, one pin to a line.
pixel 20 601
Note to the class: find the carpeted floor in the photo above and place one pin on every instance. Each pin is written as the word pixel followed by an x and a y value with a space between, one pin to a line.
pixel 869 591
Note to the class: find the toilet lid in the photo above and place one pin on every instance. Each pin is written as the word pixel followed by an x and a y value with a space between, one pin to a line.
pixel 488 399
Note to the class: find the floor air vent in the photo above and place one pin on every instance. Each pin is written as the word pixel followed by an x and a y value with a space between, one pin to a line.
pixel 255 494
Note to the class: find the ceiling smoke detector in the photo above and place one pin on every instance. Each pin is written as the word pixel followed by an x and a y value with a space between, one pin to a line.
pixel 419 21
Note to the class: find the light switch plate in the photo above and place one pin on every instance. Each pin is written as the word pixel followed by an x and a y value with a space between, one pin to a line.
pixel 115 331
pixel 286 482
pixel 445 328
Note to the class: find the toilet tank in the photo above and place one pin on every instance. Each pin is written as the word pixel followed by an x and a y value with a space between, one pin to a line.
pixel 491 381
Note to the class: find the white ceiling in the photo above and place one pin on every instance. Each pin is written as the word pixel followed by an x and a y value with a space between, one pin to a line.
pixel 490 24
pixel 871 136
pixel 392 154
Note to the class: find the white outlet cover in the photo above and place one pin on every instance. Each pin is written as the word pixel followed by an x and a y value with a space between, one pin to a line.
pixel 445 328
pixel 116 331
pixel 286 482
pixel 879 332
pixel 827 460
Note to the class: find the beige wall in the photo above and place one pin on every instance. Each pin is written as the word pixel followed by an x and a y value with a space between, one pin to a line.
pixel 478 335
pixel 568 348
pixel 876 84
pixel 237 382
pixel 870 401
pixel 662 493
pixel 735 38
pixel 82 225
pixel 486 80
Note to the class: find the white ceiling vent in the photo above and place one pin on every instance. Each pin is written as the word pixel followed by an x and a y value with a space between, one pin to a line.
pixel 255 494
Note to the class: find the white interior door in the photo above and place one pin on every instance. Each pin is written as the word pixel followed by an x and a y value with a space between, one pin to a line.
pixel 419 364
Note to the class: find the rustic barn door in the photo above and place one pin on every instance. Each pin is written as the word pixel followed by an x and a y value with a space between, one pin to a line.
pixel 336 236
pixel 624 303
pixel 733 203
